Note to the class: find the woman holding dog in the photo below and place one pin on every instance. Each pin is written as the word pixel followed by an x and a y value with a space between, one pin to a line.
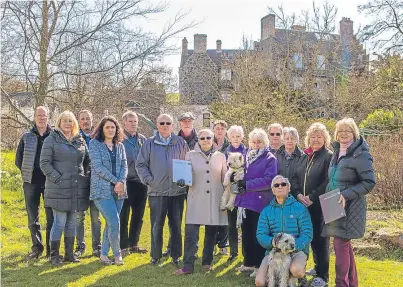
pixel 310 180
pixel 203 201
pixel 260 169
pixel 351 171
pixel 284 215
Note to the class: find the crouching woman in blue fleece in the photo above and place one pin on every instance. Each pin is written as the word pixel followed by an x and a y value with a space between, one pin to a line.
pixel 284 214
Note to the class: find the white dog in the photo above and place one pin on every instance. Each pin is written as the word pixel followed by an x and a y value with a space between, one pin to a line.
pixel 279 261
pixel 236 165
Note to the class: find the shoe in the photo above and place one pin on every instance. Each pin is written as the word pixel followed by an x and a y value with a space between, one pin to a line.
pixel 125 252
pixel 232 258
pixel 318 282
pixel 207 268
pixel 183 271
pixel 35 254
pixel 222 251
pixel 96 253
pixel 166 253
pixel 311 272
pixel 54 253
pixel 253 274
pixel 303 282
pixel 80 250
pixel 138 249
pixel 118 260
pixel 175 262
pixel 68 249
pixel 243 268
pixel 105 260
pixel 155 261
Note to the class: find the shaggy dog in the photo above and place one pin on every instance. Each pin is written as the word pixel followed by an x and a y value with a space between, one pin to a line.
pixel 279 261
pixel 236 165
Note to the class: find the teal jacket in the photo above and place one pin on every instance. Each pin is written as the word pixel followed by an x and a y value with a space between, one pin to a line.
pixel 291 217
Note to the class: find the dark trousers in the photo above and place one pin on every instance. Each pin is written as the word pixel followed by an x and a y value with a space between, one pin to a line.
pixel 33 193
pixel 319 244
pixel 137 198
pixel 346 270
pixel 253 252
pixel 191 244
pixel 233 232
pixel 160 207
pixel 222 236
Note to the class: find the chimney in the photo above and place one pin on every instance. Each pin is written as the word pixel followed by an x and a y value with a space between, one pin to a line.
pixel 298 28
pixel 346 31
pixel 268 26
pixel 218 45
pixel 200 45
pixel 184 46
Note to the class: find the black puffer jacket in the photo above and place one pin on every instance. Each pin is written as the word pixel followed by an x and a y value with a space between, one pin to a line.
pixel 66 167
pixel 353 174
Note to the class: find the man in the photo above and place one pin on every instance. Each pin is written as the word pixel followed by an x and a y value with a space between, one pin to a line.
pixel 85 122
pixel 136 191
pixel 221 143
pixel 154 166
pixel 275 132
pixel 188 133
pixel 27 160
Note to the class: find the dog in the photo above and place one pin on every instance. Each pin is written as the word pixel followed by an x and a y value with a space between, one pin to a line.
pixel 236 165
pixel 279 261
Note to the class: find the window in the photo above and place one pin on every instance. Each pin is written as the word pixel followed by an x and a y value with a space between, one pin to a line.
pixel 298 61
pixel 225 75
pixel 320 62
pixel 206 120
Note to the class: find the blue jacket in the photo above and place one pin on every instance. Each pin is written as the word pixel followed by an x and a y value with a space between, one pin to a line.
pixel 102 179
pixel 291 217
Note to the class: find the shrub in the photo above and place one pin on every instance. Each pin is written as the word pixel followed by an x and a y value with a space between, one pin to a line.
pixel 384 120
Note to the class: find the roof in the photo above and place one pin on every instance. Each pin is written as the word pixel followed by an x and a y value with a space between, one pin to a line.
pixel 23 99
pixel 215 56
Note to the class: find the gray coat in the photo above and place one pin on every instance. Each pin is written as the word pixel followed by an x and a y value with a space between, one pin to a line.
pixel 132 149
pixel 66 167
pixel 154 165
pixel 102 179
pixel 354 175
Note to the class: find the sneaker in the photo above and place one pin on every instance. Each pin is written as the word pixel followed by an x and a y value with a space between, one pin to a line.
pixel 318 282
pixel 232 258
pixel 155 262
pixel 125 252
pixel 105 260
pixel 138 249
pixel 35 254
pixel 311 272
pixel 253 274
pixel 166 253
pixel 118 260
pixel 96 253
pixel 80 250
pixel 175 262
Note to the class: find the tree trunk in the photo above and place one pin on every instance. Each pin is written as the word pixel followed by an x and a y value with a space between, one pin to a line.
pixel 43 53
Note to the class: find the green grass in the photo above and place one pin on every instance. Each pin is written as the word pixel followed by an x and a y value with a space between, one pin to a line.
pixel 16 270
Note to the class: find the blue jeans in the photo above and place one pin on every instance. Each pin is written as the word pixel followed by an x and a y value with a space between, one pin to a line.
pixel 95 227
pixel 63 220
pixel 110 209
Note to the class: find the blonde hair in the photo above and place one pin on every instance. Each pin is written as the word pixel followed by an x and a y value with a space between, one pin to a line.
pixel 70 115
pixel 318 127
pixel 351 124
pixel 259 134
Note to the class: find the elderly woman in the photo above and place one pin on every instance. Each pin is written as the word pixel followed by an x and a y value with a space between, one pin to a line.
pixel 271 222
pixel 351 171
pixel 65 163
pixel 203 201
pixel 260 169
pixel 290 156
pixel 275 132
pixel 108 182
pixel 311 179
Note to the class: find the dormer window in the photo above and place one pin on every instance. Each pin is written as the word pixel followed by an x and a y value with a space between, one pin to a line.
pixel 225 75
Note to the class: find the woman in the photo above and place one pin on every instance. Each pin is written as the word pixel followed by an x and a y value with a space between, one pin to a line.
pixel 65 163
pixel 311 179
pixel 203 201
pixel 290 156
pixel 108 182
pixel 351 171
pixel 260 169
pixel 235 136
pixel 271 223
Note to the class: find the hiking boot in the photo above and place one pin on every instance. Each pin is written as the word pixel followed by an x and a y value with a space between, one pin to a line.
pixel 35 254
pixel 318 282
pixel 80 250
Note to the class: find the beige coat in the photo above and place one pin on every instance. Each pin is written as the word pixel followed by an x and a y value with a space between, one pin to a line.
pixel 203 201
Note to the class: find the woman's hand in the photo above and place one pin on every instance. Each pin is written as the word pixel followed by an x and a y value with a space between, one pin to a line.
pixel 119 188
pixel 342 200
pixel 304 200
pixel 241 183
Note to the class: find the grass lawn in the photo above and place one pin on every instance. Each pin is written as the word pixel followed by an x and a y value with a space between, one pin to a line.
pixel 16 270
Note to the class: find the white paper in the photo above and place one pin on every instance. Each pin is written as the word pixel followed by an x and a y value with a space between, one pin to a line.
pixel 182 169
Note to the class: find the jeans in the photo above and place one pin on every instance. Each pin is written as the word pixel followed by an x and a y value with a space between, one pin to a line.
pixel 136 201
pixel 191 240
pixel 253 252
pixel 95 227
pixel 233 232
pixel 63 221
pixel 346 270
pixel 33 193
pixel 160 207
pixel 110 209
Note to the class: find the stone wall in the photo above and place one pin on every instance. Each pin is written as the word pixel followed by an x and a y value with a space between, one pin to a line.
pixel 197 110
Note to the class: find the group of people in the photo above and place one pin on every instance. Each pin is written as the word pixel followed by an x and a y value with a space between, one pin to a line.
pixel 111 171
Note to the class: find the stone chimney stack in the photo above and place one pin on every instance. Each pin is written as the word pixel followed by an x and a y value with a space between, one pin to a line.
pixel 298 28
pixel 184 46
pixel 218 45
pixel 200 43
pixel 268 26
pixel 346 31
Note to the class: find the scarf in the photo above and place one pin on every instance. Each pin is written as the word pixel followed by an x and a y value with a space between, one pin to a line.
pixel 189 138
pixel 207 153
pixel 344 147
pixel 252 155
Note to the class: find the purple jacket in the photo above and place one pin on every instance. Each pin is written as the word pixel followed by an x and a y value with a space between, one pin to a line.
pixel 258 177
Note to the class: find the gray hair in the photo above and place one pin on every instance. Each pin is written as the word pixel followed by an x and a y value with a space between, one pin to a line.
pixel 275 125
pixel 210 132
pixel 235 129
pixel 166 115
pixel 85 111
pixel 46 109
pixel 259 134
pixel 129 114
pixel 280 177
pixel 292 131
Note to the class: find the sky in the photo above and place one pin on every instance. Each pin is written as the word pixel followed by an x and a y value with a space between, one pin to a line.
pixel 230 20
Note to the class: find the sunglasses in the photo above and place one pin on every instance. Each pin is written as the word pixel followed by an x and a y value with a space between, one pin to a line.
pixel 275 134
pixel 205 138
pixel 280 184
pixel 165 123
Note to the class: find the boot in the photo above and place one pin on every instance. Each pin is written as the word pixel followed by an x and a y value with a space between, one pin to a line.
pixel 68 249
pixel 54 253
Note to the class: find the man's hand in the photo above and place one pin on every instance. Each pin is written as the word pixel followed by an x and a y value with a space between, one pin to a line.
pixel 342 200
pixel 181 183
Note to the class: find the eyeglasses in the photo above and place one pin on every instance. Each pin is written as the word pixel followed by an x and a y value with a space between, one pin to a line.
pixel 165 123
pixel 205 138
pixel 275 134
pixel 278 184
